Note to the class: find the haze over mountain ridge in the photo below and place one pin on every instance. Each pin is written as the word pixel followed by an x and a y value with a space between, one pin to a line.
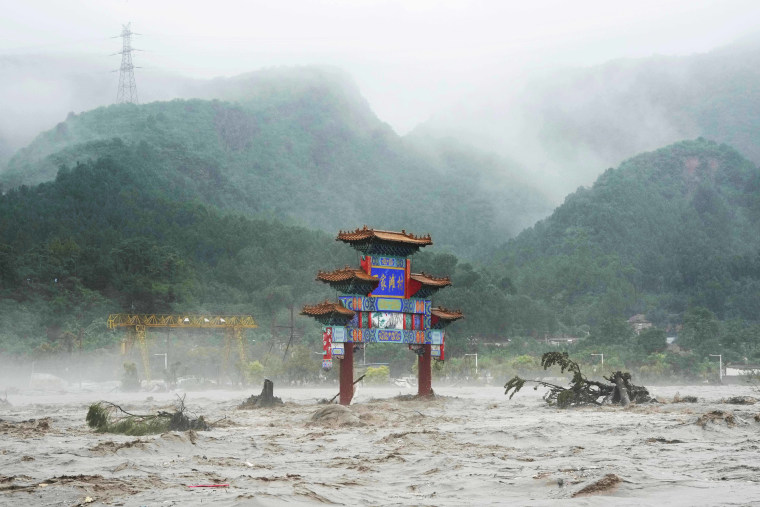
pixel 565 126
pixel 561 131
pixel 150 209
pixel 666 230
pixel 304 146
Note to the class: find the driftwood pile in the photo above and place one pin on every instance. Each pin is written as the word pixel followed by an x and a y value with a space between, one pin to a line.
pixel 582 391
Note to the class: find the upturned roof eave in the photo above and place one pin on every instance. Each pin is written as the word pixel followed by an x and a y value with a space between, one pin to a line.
pixel 367 234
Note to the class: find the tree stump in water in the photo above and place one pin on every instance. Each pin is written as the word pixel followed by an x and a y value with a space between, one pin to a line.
pixel 267 393
pixel 621 391
pixel 265 399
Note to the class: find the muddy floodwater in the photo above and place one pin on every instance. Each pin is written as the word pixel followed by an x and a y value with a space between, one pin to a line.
pixel 468 446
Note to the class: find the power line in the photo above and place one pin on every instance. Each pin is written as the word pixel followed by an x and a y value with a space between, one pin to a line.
pixel 127 92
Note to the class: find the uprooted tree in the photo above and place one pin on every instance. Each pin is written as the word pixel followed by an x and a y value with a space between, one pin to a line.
pixel 582 391
pixel 107 417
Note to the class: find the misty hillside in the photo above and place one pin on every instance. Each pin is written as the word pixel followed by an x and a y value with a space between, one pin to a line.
pixel 664 233
pixel 667 230
pixel 566 126
pixel 112 236
pixel 39 90
pixel 303 146
pixel 104 237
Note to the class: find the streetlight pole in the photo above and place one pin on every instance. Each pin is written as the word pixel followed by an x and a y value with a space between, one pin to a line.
pixel 602 356
pixel 476 361
pixel 166 360
pixel 720 366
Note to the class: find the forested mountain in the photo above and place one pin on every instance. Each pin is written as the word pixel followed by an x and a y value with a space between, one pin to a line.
pixel 212 206
pixel 110 236
pixel 667 230
pixel 564 125
pixel 116 235
pixel 302 146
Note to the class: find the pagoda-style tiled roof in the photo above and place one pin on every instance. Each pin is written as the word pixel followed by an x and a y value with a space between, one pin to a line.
pixel 349 280
pixel 329 313
pixel 445 314
pixel 346 274
pixel 327 308
pixel 429 280
pixel 376 241
pixel 422 285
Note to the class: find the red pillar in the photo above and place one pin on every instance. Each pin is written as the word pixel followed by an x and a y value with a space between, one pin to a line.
pixel 347 375
pixel 424 373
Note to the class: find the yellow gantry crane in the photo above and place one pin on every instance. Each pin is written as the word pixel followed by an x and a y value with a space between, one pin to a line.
pixel 138 323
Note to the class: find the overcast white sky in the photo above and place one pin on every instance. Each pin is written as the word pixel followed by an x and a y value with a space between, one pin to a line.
pixel 410 58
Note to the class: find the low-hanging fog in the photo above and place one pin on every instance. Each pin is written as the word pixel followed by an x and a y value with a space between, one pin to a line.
pixel 528 82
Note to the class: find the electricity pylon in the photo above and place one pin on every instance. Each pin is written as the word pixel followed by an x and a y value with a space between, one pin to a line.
pixel 127 87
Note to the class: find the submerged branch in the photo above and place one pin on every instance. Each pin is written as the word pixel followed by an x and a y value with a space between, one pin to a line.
pixel 104 417
pixel 581 390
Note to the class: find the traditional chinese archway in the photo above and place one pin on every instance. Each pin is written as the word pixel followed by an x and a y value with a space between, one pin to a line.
pixel 382 301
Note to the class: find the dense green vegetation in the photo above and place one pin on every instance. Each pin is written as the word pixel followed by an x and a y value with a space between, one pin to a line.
pixel 103 238
pixel 306 152
pixel 671 234
pixel 666 231
pixel 207 206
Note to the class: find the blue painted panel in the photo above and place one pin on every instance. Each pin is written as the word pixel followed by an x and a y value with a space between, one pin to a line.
pixel 338 350
pixel 389 305
pixel 339 334
pixel 389 262
pixel 372 304
pixel 389 335
pixel 391 282
pixel 373 335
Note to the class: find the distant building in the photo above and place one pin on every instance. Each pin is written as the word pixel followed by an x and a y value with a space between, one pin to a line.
pixel 738 373
pixel 639 322
pixel 561 339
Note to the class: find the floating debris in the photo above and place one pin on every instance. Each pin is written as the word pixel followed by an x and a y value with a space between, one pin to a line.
pixel 31 428
pixel 336 415
pixel 606 484
pixel 104 417
pixel 684 399
pixel 740 400
pixel 661 440
pixel 716 417
pixel 583 391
